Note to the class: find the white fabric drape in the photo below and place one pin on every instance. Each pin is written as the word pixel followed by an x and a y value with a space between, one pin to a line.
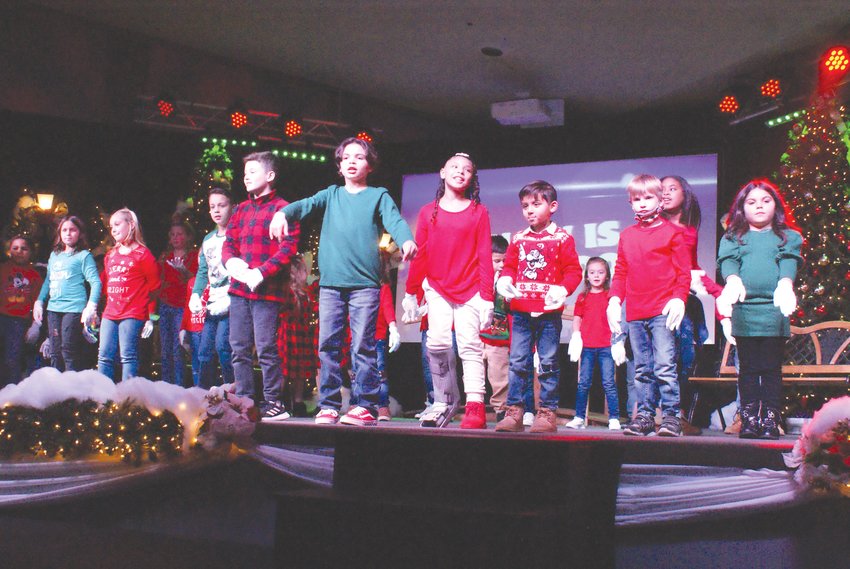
pixel 311 464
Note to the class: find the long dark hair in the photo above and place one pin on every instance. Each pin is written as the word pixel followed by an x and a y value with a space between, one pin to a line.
pixel 82 243
pixel 605 285
pixel 691 213
pixel 782 217
pixel 472 190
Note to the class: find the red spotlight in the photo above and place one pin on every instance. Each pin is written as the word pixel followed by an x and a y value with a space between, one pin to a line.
pixel 728 104
pixel 771 88
pixel 165 105
pixel 364 135
pixel 238 118
pixel 833 67
pixel 292 128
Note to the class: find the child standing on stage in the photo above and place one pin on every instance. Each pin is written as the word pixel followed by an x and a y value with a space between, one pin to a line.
pixel 653 276
pixel 132 282
pixel 212 275
pixel 350 269
pixel 591 343
pixel 20 285
pixel 387 338
pixel 497 337
pixel 258 267
pixel 455 270
pixel 69 268
pixel 177 264
pixel 759 256
pixel 191 329
pixel 541 270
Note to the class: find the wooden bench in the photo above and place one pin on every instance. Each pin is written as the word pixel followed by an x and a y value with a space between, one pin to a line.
pixel 814 355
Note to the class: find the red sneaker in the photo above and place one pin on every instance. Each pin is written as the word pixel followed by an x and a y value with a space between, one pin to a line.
pixel 358 416
pixel 474 417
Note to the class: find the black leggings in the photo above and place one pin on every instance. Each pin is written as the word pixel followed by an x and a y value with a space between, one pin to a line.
pixel 760 373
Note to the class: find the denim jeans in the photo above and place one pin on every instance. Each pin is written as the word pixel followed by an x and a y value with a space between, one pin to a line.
pixel 654 348
pixel 254 323
pixel 381 363
pixel 123 336
pixel 12 331
pixel 66 339
pixel 215 338
pixel 195 342
pixel 170 318
pixel 589 358
pixel 544 332
pixel 358 306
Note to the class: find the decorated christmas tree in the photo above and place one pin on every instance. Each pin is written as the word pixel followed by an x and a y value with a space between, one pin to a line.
pixel 214 170
pixel 815 177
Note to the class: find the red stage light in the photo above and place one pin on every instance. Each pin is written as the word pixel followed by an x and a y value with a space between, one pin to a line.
pixel 728 104
pixel 165 106
pixel 292 129
pixel 834 65
pixel 238 118
pixel 771 88
pixel 363 135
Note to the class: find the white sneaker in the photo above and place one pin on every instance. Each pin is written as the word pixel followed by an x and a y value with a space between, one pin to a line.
pixel 614 425
pixel 528 419
pixel 577 423
pixel 424 411
pixel 437 415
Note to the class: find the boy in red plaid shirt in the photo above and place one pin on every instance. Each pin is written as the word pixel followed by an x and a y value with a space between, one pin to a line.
pixel 259 270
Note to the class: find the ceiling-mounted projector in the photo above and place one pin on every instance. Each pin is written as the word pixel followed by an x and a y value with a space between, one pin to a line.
pixel 529 113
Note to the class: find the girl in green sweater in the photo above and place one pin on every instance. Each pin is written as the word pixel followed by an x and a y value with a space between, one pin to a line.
pixel 759 257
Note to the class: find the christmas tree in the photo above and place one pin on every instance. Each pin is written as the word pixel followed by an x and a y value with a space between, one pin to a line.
pixel 815 174
pixel 213 170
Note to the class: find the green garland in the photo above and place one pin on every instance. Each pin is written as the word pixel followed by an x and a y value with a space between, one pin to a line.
pixel 77 429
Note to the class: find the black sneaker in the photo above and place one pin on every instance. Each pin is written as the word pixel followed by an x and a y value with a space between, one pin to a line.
pixel 273 411
pixel 640 426
pixel 670 427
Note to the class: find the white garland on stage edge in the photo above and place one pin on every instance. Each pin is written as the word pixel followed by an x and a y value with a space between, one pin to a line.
pixel 822 453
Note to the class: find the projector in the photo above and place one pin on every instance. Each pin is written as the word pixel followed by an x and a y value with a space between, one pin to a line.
pixel 529 113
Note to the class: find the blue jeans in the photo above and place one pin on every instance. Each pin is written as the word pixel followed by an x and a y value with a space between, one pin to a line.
pixel 12 331
pixel 170 318
pixel 654 348
pixel 195 341
pixel 381 363
pixel 253 323
pixel 544 332
pixel 589 359
pixel 66 340
pixel 359 307
pixel 215 338
pixel 120 335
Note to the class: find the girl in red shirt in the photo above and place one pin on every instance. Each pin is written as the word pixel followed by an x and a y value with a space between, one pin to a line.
pixel 131 278
pixel 177 264
pixel 455 270
pixel 591 342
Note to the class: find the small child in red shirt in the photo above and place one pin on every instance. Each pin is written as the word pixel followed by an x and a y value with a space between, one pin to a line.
pixel 591 343
pixel 177 264
pixel 190 331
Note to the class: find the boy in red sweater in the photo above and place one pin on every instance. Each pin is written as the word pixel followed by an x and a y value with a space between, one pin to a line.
pixel 541 270
pixel 653 274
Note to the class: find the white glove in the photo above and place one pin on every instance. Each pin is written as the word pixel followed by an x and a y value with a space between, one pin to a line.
pixel 408 250
pixel 89 313
pixel 783 297
pixel 219 306
pixel 37 312
pixel 575 346
pixel 394 341
pixel 253 278
pixel 555 298
pixel 724 309
pixel 236 268
pixel 278 228
pixel 178 265
pixel 734 290
pixel 45 349
pixel 31 337
pixel 675 311
pixel 505 287
pixel 409 304
pixel 614 314
pixel 147 329
pixel 485 312
pixel 726 326
pixel 696 282
pixel 415 316
pixel 618 352
pixel 181 337
pixel 195 304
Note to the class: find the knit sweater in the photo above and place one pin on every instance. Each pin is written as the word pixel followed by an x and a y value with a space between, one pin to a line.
pixel 536 261
pixel 761 261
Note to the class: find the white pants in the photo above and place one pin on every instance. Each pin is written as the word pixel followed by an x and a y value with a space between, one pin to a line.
pixel 466 319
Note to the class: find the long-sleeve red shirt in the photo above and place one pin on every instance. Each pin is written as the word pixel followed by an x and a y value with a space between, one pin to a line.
pixel 536 261
pixel 386 312
pixel 454 254
pixel 653 266
pixel 173 290
pixel 247 238
pixel 131 282
pixel 692 240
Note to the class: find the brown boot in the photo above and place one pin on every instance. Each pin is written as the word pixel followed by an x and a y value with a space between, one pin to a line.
pixel 546 421
pixel 735 426
pixel 512 423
